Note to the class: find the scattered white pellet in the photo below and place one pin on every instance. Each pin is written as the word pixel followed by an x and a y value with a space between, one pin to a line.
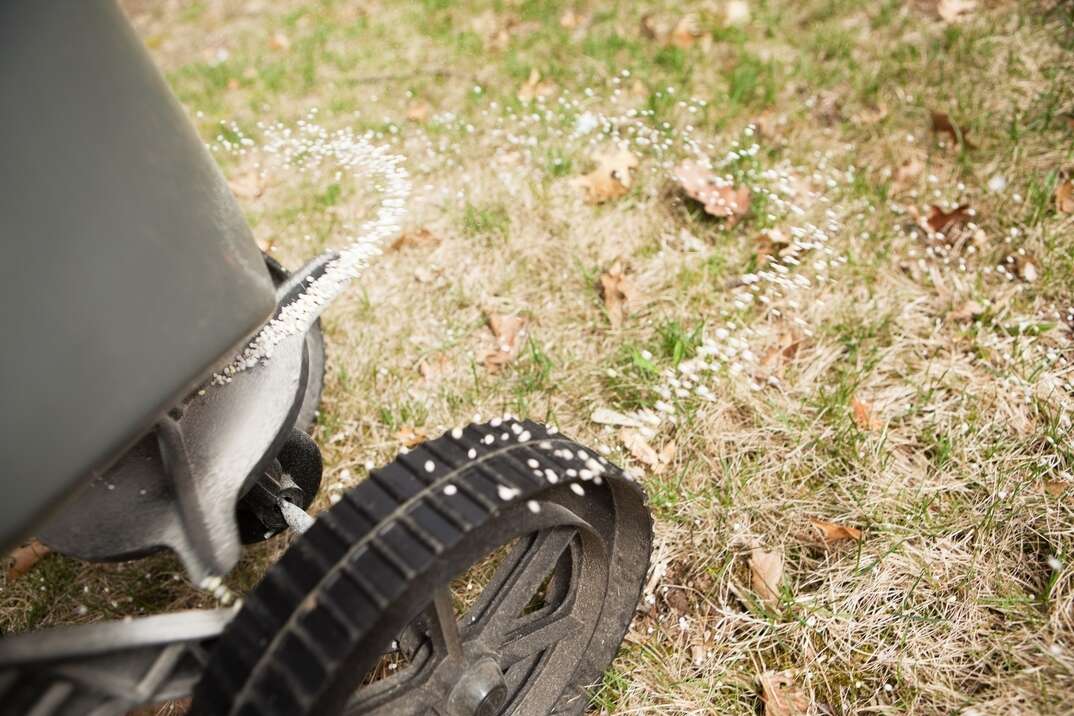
pixel 429 466
pixel 450 490
pixel 577 489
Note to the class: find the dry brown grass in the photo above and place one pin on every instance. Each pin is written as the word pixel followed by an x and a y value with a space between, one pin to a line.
pixel 960 597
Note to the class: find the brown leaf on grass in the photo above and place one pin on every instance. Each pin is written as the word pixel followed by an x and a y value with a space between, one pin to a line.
pixel 830 533
pixel 639 448
pixel 862 413
pixel 766 573
pixel 782 352
pixel 955 10
pixel 23 558
pixel 535 87
pixel 940 221
pixel 1064 197
pixel 782 696
pixel 1055 488
pixel 771 244
pixel 434 366
pixel 508 332
pixel 420 238
pixel 410 436
pixel 686 31
pixel 617 290
pixel 611 179
pixel 969 311
pixel 419 111
pixel 720 198
pixel 942 124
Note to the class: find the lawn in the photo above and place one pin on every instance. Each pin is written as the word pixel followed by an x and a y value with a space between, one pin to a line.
pixel 847 390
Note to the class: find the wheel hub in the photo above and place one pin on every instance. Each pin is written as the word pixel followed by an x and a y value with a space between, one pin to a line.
pixel 481 691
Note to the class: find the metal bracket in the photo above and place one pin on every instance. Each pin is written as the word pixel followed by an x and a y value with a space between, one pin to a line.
pixel 109 668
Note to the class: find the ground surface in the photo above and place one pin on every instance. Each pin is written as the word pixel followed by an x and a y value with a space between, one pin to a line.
pixel 827 357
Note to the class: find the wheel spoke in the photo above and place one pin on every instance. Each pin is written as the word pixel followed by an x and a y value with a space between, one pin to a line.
pixel 518 577
pixel 535 638
pixel 443 628
pixel 402 693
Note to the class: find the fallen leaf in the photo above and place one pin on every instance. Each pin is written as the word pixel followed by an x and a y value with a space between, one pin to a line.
pixel 535 87
pixel 956 10
pixel 778 355
pixel 644 453
pixel 1056 488
pixel 940 221
pixel 434 366
pixel 508 332
pixel 766 573
pixel 782 696
pixel 771 244
pixel 832 533
pixel 617 290
pixel 1064 197
pixel 611 179
pixel 410 437
pixel 418 111
pixel 719 197
pixel 863 415
pixel 685 32
pixel 677 600
pixel 418 238
pixel 280 42
pixel 22 559
pixel 942 124
pixel 969 311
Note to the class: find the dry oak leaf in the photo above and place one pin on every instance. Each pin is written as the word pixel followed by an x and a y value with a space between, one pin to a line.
pixel 863 415
pixel 766 573
pixel 772 243
pixel 955 10
pixel 1064 197
pixel 942 124
pixel 719 197
pixel 434 366
pixel 617 290
pixel 535 87
pixel 782 696
pixel 830 533
pixel 409 436
pixel 940 221
pixel 644 453
pixel 418 238
pixel 22 559
pixel 611 179
pixel 508 332
pixel 777 356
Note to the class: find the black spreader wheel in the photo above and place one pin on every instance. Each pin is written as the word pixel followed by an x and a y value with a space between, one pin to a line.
pixel 493 570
